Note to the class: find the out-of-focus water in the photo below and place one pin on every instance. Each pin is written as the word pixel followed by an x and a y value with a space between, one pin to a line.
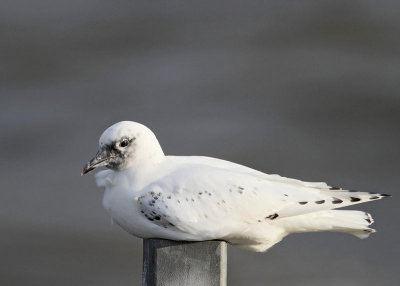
pixel 306 89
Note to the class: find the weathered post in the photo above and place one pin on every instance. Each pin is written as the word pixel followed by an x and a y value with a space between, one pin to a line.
pixel 179 263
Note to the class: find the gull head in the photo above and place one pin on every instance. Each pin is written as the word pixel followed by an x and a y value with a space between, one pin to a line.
pixel 124 145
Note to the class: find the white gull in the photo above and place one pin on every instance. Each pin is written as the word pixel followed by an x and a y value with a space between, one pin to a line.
pixel 194 198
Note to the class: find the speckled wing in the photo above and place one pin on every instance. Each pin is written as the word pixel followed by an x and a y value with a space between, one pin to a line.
pixel 210 199
pixel 219 197
pixel 300 197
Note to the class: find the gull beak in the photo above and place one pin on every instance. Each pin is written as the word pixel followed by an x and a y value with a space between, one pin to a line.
pixel 99 160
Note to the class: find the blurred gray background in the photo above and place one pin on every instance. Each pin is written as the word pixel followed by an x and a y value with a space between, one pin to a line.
pixel 305 89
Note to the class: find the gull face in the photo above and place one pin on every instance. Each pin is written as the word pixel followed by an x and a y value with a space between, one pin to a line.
pixel 123 145
pixel 112 155
pixel 117 146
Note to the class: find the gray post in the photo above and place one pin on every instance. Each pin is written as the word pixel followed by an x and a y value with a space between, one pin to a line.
pixel 178 263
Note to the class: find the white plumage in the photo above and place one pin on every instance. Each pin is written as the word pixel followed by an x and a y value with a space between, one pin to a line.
pixel 194 198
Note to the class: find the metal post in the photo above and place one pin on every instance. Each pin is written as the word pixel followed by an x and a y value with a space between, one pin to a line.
pixel 178 263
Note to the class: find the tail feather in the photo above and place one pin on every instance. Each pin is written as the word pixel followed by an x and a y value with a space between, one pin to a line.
pixel 348 221
pixel 353 222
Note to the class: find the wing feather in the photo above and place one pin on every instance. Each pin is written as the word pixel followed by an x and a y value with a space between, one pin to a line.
pixel 212 192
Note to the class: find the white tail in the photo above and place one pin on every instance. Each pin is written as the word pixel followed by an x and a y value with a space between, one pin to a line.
pixel 352 222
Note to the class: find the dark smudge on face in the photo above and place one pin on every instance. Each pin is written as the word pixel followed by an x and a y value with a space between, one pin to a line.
pixel 118 156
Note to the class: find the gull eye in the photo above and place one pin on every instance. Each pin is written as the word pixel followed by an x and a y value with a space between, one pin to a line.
pixel 124 143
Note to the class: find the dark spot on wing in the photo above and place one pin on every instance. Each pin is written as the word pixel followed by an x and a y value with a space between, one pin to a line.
pixel 320 202
pixel 156 215
pixel 303 203
pixel 273 216
pixel 334 188
pixel 285 195
pixel 354 199
pixel 374 198
pixel 337 201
